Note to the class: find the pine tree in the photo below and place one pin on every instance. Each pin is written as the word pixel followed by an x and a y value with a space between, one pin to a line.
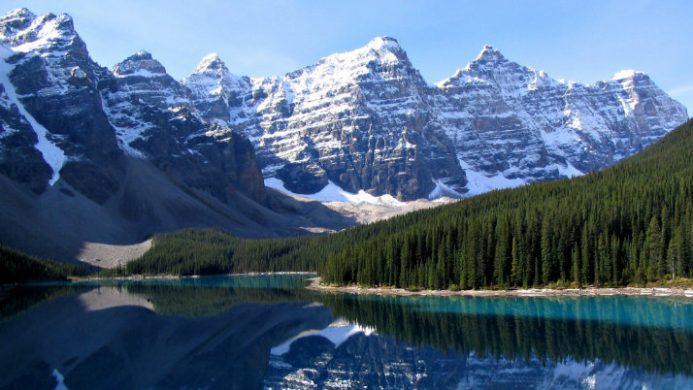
pixel 652 255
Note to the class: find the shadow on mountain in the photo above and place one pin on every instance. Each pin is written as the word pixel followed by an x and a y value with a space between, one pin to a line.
pixel 58 223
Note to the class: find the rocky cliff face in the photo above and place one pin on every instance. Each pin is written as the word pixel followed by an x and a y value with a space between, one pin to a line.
pixel 155 120
pixel 89 154
pixel 50 81
pixel 62 111
pixel 363 120
pixel 514 122
pixel 366 119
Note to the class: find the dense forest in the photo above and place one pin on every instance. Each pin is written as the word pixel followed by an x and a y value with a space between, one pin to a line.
pixel 18 267
pixel 211 252
pixel 632 223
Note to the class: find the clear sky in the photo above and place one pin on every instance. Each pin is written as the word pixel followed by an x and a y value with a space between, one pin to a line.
pixel 581 40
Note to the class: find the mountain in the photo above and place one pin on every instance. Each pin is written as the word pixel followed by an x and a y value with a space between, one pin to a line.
pixel 155 120
pixel 51 100
pixel 631 223
pixel 96 155
pixel 516 123
pixel 367 120
pixel 92 155
pixel 628 224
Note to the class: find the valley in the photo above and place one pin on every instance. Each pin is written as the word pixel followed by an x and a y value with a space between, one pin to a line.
pixel 273 216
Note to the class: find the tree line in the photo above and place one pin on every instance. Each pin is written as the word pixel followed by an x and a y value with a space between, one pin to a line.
pixel 632 223
pixel 629 224
pixel 17 267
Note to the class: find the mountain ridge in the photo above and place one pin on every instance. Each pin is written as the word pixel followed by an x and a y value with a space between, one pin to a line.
pixel 90 155
pixel 586 127
pixel 364 120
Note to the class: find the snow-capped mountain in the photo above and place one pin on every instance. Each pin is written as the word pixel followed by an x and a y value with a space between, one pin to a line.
pixel 512 122
pixel 155 120
pixel 50 92
pixel 363 120
pixel 89 154
pixel 367 120
pixel 87 118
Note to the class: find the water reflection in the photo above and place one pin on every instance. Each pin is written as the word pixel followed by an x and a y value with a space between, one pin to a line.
pixel 648 333
pixel 110 337
pixel 255 332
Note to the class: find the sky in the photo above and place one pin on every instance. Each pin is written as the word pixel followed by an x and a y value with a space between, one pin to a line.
pixel 581 40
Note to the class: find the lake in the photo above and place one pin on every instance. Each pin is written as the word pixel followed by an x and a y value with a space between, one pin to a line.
pixel 255 332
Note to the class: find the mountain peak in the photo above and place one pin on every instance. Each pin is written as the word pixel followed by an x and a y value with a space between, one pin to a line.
pixel 140 55
pixel 382 49
pixel 626 74
pixel 210 62
pixel 139 64
pixel 384 43
pixel 23 31
pixel 489 54
pixel 18 14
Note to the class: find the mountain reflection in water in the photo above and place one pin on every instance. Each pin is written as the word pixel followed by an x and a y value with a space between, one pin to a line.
pixel 267 331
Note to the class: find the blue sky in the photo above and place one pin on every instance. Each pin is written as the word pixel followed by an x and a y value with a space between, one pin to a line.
pixel 582 40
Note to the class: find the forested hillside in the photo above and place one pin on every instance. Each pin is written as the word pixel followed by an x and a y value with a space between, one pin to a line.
pixel 631 223
pixel 18 267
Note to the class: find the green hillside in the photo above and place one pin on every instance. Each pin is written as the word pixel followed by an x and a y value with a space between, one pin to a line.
pixel 632 223
pixel 18 267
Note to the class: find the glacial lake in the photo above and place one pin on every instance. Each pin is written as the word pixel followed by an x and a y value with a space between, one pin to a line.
pixel 255 332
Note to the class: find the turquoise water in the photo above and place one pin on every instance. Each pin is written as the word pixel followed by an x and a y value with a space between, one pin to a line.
pixel 667 312
pixel 267 331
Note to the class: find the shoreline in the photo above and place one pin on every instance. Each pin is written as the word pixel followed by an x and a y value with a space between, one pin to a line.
pixel 315 285
pixel 174 277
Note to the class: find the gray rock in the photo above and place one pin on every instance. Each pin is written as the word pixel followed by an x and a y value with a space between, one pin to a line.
pixel 370 121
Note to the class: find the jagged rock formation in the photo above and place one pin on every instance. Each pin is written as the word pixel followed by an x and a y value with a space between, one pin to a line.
pixel 92 117
pixel 363 119
pixel 154 120
pixel 89 154
pixel 50 81
pixel 366 119
pixel 115 155
pixel 516 121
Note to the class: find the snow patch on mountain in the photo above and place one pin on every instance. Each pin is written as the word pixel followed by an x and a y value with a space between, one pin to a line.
pixel 52 154
pixel 625 74
pixel 480 183
pixel 333 193
pixel 442 189
pixel 211 78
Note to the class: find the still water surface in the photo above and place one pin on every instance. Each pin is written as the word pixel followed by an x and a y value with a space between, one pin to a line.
pixel 254 332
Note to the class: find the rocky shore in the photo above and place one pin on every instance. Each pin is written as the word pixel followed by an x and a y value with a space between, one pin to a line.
pixel 315 285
